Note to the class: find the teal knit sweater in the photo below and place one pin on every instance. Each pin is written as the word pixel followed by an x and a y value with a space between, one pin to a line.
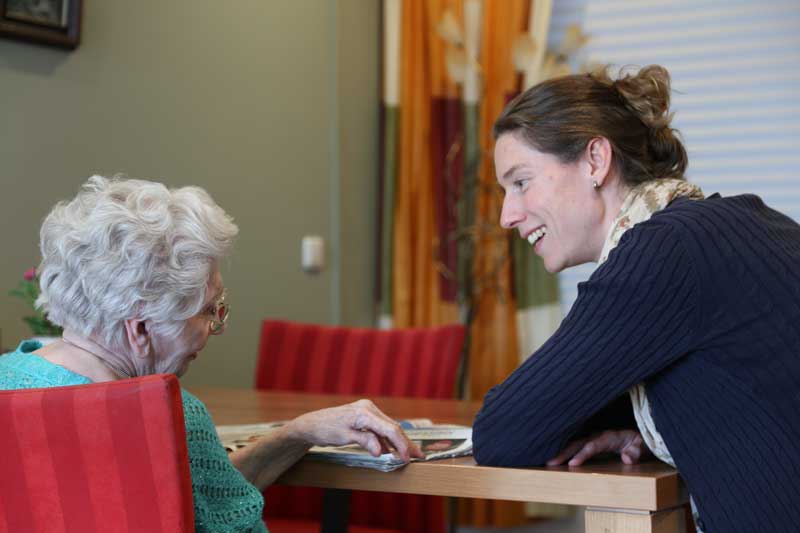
pixel 223 500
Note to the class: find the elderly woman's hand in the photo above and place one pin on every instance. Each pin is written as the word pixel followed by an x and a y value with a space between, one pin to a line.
pixel 627 443
pixel 359 422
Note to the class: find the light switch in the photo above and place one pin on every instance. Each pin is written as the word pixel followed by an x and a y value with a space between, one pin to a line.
pixel 312 254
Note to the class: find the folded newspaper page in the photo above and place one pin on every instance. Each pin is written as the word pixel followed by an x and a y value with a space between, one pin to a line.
pixel 437 441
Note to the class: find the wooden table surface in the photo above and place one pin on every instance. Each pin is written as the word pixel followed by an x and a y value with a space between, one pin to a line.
pixel 643 489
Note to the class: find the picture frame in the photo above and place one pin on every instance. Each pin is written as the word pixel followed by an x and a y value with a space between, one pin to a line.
pixel 49 22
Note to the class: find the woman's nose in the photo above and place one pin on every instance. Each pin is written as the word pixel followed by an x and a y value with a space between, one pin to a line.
pixel 510 215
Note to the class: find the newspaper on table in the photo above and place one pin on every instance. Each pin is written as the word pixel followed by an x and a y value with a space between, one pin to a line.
pixel 437 441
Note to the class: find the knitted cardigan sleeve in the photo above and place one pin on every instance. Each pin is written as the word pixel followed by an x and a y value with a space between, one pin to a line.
pixel 632 318
pixel 224 501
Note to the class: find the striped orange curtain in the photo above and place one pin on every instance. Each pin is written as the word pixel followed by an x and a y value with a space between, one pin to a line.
pixel 448 72
pixel 415 286
pixel 493 349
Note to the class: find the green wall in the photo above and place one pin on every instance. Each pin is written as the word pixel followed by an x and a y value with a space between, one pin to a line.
pixel 272 106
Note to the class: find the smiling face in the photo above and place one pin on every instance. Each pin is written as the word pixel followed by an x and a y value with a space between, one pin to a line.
pixel 553 205
pixel 173 355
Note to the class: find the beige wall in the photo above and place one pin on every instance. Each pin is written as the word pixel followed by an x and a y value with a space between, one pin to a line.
pixel 272 106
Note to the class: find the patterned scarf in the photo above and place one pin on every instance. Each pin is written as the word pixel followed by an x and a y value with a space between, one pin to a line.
pixel 640 204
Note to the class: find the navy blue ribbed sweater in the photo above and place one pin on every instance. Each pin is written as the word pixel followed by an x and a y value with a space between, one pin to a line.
pixel 702 303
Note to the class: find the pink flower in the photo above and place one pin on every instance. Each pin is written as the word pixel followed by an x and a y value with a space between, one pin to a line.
pixel 30 274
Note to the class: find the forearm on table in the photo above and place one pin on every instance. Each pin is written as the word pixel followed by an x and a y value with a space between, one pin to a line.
pixel 602 348
pixel 264 461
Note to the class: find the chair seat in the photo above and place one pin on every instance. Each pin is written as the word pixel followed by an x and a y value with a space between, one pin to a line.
pixel 281 525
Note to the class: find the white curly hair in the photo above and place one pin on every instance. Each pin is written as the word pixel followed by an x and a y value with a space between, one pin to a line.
pixel 127 248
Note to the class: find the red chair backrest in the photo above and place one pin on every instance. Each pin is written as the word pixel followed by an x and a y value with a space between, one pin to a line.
pixel 419 363
pixel 104 457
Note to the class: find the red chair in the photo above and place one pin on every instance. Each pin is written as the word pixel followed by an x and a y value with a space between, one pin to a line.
pixel 419 363
pixel 99 458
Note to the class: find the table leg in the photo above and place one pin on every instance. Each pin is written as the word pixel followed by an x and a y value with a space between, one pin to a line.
pixel 335 511
pixel 604 520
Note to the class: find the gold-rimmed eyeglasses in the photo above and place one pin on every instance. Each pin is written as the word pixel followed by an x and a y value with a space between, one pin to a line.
pixel 220 314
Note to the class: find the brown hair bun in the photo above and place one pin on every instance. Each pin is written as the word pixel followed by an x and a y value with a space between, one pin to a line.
pixel 561 115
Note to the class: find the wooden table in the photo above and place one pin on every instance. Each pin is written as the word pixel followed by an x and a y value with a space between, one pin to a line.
pixel 644 498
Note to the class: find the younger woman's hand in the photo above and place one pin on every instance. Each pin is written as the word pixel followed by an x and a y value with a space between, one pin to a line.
pixel 627 443
pixel 359 422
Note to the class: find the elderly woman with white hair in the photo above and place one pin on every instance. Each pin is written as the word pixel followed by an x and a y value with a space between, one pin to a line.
pixel 130 269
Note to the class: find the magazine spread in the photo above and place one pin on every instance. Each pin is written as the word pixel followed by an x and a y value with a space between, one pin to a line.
pixel 437 441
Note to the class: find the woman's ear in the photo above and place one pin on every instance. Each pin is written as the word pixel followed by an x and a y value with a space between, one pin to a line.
pixel 138 337
pixel 598 155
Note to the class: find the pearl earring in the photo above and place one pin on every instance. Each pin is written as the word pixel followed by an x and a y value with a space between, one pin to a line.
pixel 595 185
